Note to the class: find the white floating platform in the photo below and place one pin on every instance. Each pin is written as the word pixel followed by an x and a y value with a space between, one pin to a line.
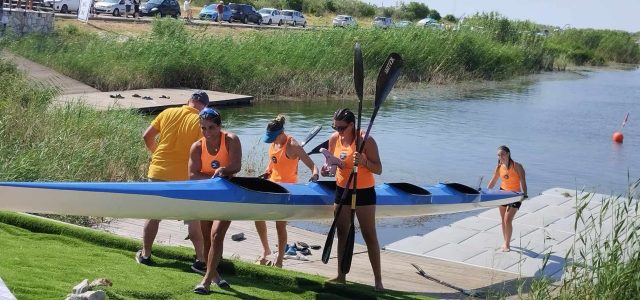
pixel 5 294
pixel 544 224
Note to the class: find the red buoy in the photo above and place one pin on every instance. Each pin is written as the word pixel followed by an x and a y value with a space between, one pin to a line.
pixel 618 137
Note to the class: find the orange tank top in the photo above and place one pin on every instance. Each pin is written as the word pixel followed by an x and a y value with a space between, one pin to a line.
pixel 212 162
pixel 510 180
pixel 345 153
pixel 283 169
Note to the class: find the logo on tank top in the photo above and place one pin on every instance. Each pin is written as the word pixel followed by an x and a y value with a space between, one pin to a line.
pixel 274 159
pixel 506 176
pixel 215 164
pixel 343 155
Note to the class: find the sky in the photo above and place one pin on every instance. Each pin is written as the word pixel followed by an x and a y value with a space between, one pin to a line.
pixel 599 14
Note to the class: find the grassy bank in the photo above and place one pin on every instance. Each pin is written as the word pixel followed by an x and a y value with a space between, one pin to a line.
pixel 301 63
pixel 42 259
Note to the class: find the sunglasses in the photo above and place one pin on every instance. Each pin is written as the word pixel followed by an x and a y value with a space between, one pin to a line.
pixel 339 128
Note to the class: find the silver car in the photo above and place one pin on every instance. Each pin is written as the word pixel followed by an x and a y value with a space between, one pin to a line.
pixel 382 22
pixel 344 21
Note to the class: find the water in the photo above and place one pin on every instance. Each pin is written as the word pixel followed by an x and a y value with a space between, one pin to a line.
pixel 558 125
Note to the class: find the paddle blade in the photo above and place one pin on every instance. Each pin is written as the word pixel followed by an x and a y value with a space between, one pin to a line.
pixel 358 71
pixel 387 77
pixel 316 150
pixel 326 252
pixel 311 135
pixel 345 266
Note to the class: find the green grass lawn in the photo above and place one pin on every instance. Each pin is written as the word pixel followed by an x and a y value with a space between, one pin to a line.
pixel 43 259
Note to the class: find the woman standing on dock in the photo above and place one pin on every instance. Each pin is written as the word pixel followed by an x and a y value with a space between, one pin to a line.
pixel 513 179
pixel 217 154
pixel 342 144
pixel 284 154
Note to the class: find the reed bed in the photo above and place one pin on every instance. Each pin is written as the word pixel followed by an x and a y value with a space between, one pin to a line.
pixel 292 62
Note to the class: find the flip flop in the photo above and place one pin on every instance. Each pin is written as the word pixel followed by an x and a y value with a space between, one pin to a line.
pixel 262 261
pixel 135 95
pixel 305 251
pixel 201 289
pixel 223 284
pixel 302 244
pixel 315 247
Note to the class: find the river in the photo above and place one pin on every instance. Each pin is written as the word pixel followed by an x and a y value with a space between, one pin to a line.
pixel 558 125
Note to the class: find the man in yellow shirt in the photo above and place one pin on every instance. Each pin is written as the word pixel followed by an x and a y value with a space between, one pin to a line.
pixel 169 139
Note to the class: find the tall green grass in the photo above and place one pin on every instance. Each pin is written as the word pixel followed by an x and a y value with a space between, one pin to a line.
pixel 283 62
pixel 604 261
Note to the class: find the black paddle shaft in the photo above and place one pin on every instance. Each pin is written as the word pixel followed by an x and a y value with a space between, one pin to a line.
pixel 387 78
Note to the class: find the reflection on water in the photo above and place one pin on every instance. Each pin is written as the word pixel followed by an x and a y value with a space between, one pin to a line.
pixel 558 125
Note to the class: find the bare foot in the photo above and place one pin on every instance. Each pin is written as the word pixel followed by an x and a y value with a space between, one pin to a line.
pixel 337 280
pixel 505 248
pixel 379 288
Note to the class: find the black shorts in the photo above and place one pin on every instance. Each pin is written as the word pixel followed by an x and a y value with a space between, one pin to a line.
pixel 366 196
pixel 515 205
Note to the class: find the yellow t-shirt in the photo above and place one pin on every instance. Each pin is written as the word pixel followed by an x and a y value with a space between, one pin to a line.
pixel 179 127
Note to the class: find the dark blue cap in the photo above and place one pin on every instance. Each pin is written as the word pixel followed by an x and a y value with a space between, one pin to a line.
pixel 201 96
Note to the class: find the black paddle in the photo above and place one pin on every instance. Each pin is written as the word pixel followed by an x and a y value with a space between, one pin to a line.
pixel 316 150
pixel 358 81
pixel 470 293
pixel 312 133
pixel 387 78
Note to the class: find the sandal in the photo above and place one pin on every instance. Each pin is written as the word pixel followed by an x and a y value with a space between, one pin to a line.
pixel 201 289
pixel 223 284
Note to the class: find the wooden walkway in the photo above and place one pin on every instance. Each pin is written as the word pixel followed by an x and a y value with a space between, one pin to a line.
pixel 398 274
pixel 145 100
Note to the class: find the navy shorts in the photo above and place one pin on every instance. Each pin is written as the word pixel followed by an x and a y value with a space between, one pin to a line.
pixel 366 196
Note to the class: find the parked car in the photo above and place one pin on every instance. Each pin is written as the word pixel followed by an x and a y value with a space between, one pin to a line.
pixel 271 16
pixel 429 23
pixel 294 17
pixel 382 22
pixel 113 7
pixel 403 23
pixel 244 13
pixel 209 12
pixel 344 21
pixel 63 6
pixel 160 8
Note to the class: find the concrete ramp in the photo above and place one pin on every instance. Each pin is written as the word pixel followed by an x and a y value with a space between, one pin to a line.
pixel 544 225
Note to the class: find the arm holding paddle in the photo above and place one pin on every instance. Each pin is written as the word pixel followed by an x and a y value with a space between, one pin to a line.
pixel 369 158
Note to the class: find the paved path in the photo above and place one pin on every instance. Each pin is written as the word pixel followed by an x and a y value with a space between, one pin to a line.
pixel 145 100
pixel 398 274
pixel 48 77
pixel 543 225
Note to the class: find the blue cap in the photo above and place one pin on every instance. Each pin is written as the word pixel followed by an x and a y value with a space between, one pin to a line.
pixel 271 136
pixel 201 96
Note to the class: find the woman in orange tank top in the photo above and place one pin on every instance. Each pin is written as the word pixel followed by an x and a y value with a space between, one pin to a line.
pixel 513 179
pixel 217 154
pixel 342 144
pixel 284 154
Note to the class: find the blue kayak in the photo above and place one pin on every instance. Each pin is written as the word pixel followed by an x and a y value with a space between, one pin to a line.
pixel 238 198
